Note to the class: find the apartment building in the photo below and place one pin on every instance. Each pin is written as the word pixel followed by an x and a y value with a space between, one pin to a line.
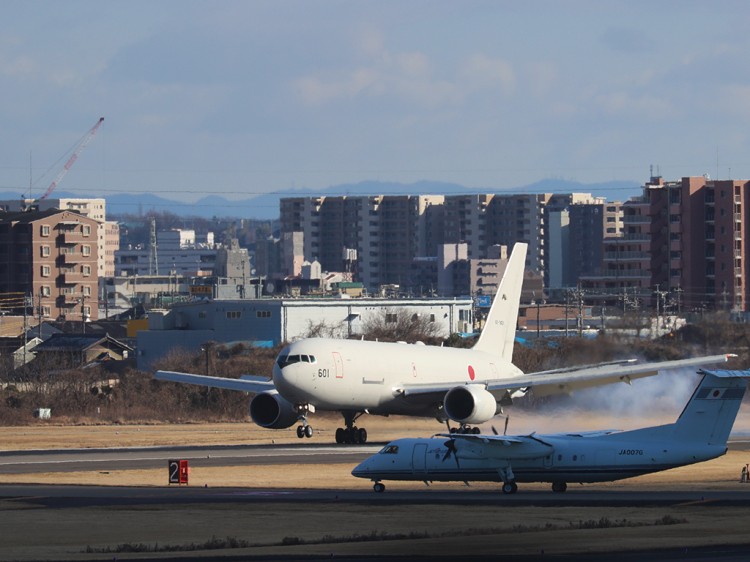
pixel 51 256
pixel 395 237
pixel 574 239
pixel 484 220
pixel 697 250
pixel 178 252
pixel 95 208
pixel 386 232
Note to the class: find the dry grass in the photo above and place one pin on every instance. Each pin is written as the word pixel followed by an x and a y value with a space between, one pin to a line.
pixel 455 530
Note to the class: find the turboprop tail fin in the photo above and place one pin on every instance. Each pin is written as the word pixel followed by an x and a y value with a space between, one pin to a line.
pixel 500 328
pixel 710 414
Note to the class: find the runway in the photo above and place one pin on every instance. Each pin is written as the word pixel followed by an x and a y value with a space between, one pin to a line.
pixel 64 496
pixel 73 460
pixel 57 522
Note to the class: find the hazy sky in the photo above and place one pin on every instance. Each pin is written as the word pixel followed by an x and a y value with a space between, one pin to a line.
pixel 244 97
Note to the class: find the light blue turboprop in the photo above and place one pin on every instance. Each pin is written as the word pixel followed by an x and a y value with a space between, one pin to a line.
pixel 698 435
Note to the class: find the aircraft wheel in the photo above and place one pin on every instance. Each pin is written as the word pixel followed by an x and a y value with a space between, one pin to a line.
pixel 362 435
pixel 308 430
pixel 347 435
pixel 559 487
pixel 475 431
pixel 340 435
pixel 510 487
pixel 379 487
pixel 300 431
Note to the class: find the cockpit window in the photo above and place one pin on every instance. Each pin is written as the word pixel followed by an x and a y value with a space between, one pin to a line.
pixel 284 360
pixel 389 450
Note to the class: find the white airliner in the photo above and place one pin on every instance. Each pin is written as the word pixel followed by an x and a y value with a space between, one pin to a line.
pixel 699 434
pixel 467 386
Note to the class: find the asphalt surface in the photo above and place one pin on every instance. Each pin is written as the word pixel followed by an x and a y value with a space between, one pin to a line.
pixel 72 460
pixel 64 499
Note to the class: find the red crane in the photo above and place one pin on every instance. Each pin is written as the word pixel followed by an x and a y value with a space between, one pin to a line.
pixel 73 157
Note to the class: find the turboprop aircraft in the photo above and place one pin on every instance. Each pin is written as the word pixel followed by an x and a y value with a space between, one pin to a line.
pixel 699 434
pixel 468 386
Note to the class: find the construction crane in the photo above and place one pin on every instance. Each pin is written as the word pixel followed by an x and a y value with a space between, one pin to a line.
pixel 73 157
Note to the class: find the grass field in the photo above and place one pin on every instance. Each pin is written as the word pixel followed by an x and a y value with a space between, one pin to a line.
pixel 297 529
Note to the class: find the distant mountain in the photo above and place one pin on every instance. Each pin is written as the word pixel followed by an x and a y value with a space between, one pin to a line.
pixel 266 206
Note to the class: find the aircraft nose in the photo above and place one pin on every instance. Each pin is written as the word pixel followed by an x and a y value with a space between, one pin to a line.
pixel 362 469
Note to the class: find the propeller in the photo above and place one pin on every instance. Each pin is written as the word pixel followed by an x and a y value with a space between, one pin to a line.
pixel 505 431
pixel 450 446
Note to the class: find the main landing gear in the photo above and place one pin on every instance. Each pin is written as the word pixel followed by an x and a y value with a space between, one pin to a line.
pixel 351 433
pixel 464 429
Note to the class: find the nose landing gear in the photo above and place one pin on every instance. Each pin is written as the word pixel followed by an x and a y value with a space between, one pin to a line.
pixel 304 430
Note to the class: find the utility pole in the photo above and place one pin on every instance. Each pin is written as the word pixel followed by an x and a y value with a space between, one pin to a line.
pixel 660 295
pixel 578 293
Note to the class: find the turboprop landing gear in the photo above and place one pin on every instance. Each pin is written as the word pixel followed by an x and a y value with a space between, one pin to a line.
pixel 510 487
pixel 351 433
pixel 559 487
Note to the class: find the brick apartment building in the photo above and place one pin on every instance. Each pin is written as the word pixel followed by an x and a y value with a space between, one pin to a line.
pixel 51 256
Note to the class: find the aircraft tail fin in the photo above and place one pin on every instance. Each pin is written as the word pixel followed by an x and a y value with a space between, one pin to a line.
pixel 710 413
pixel 499 329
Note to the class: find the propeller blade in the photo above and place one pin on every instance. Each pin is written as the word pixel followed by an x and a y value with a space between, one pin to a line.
pixel 450 447
pixel 507 419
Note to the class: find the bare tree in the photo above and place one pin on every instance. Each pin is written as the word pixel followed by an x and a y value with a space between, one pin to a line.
pixel 399 324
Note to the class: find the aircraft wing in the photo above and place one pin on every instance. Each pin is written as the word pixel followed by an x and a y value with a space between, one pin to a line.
pixel 470 446
pixel 247 383
pixel 563 381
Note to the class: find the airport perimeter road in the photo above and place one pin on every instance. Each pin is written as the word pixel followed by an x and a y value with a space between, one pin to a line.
pixel 72 460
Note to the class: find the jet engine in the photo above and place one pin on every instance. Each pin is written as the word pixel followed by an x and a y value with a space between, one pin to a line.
pixel 272 411
pixel 471 403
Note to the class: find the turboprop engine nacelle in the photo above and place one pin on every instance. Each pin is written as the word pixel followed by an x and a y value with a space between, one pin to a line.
pixel 470 404
pixel 272 411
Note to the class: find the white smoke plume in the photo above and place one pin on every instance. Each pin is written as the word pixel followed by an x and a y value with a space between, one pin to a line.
pixel 645 402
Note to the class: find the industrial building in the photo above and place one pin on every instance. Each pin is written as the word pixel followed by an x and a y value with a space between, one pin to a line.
pixel 189 326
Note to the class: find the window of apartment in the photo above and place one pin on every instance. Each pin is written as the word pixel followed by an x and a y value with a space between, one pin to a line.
pixel 45 290
pixel 263 313
pixel 45 230
pixel 86 250
pixel 86 291
pixel 86 270
pixel 234 314
pixel 68 290
pixel 87 311
pixel 86 230
pixel 46 311
pixel 45 251
pixel 46 271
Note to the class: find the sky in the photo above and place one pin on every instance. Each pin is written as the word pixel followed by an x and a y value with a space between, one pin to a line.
pixel 237 98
